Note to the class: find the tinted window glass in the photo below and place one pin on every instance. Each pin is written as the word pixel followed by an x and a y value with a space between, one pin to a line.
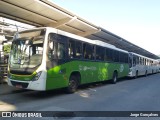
pixel 61 51
pixel 116 56
pixel 71 49
pixel 100 51
pixel 78 49
pixel 88 51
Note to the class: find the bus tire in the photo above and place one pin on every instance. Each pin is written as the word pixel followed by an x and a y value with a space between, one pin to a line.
pixel 72 85
pixel 136 75
pixel 146 74
pixel 114 78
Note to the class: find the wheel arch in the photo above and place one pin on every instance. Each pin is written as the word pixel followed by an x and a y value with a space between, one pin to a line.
pixel 77 74
pixel 115 72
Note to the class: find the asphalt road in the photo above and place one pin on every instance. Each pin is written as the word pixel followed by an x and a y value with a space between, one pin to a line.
pixel 141 94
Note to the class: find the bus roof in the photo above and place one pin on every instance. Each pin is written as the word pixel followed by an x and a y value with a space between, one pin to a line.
pixel 104 44
pixel 143 56
pixel 95 42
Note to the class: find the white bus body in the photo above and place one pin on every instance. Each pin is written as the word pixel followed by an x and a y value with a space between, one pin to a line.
pixel 141 65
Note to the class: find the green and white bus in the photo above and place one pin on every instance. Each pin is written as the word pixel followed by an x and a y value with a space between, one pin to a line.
pixel 47 58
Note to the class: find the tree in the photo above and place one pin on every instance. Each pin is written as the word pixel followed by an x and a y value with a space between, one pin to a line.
pixel 6 49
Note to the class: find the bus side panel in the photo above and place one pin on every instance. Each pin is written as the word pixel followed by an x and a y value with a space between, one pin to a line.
pixel 58 76
pixel 100 71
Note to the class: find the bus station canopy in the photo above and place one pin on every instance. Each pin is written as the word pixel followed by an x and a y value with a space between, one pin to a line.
pixel 45 13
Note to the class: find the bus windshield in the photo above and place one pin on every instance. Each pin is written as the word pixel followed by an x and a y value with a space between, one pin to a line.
pixel 26 51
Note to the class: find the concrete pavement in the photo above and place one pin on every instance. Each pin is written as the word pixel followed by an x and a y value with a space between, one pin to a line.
pixel 141 94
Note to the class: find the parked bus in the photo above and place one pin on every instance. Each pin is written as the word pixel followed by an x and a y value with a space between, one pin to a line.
pixel 47 58
pixel 141 65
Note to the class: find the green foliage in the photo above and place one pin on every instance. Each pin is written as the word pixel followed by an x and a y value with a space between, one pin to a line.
pixel 6 49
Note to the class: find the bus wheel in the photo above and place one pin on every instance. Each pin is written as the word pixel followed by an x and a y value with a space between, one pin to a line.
pixel 114 79
pixel 146 74
pixel 136 75
pixel 72 85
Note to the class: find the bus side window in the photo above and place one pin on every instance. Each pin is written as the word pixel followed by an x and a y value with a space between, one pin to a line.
pixel 140 60
pixel 85 55
pixel 61 51
pixel 134 60
pixel 88 51
pixel 122 57
pixel 137 60
pixel 100 51
pixel 127 58
pixel 130 60
pixel 116 53
pixel 51 46
pixel 106 56
pixel 78 49
pixel 109 55
pixel 71 49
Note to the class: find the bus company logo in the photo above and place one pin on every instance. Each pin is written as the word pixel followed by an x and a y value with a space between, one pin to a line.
pixel 80 67
pixel 84 68
pixel 121 68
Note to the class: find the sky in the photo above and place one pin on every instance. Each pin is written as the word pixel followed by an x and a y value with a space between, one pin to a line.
pixel 137 21
pixel 13 24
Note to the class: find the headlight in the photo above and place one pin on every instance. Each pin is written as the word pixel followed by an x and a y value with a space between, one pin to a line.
pixel 130 69
pixel 36 77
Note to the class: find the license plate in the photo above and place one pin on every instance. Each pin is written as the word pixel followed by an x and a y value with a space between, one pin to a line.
pixel 18 86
